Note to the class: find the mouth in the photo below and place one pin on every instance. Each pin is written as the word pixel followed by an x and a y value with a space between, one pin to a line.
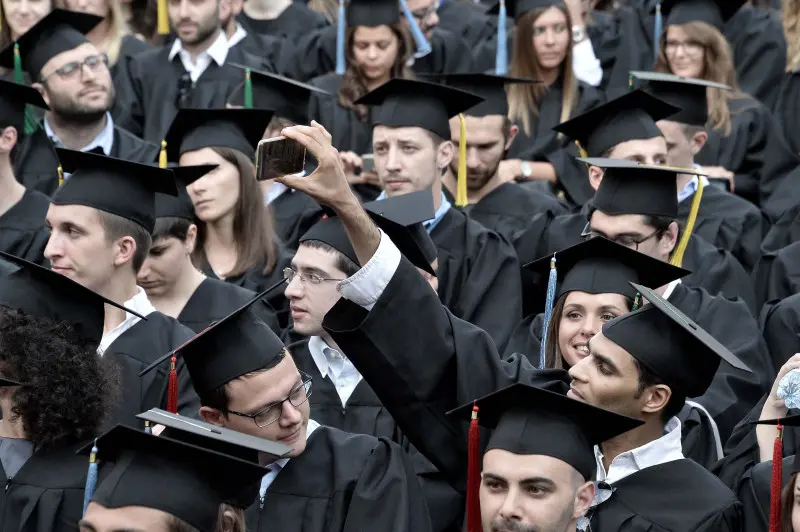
pixel 297 312
pixel 291 437
pixel 582 349
pixel 149 285
pixel 60 269
pixel 396 183
pixel 575 394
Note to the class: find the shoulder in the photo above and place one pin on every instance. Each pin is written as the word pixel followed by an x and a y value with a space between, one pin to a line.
pixel 346 444
pixel 132 45
pixel 152 56
pixel 329 82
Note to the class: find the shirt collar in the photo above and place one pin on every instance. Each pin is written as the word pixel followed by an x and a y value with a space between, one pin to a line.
pixel 218 51
pixel 429 225
pixel 238 36
pixel 671 288
pixel 320 350
pixel 139 303
pixel 278 465
pixel 104 140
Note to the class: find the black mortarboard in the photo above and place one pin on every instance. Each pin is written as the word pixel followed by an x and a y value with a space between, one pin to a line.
pixel 668 343
pixel 44 293
pixel 600 266
pixel 401 219
pixel 238 344
pixel 713 12
pixel 186 480
pixel 533 421
pixel 373 12
pixel 6 383
pixel 490 87
pixel 195 129
pixel 58 32
pixel 632 116
pixel 112 185
pixel 630 187
pixel 286 97
pixel 687 93
pixel 180 206
pixel 12 104
pixel 517 8
pixel 411 103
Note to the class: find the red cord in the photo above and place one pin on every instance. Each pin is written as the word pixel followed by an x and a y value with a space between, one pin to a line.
pixel 777 482
pixel 474 475
pixel 172 390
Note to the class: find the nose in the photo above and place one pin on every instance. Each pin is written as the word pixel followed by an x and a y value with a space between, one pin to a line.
pixel 80 5
pixel 294 288
pixel 372 52
pixel 183 10
pixel 473 161
pixel 290 415
pixel 550 37
pixel 510 509
pixel 53 249
pixel 589 326
pixel 144 271
pixel 393 160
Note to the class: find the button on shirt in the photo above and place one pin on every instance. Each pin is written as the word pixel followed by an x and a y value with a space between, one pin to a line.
pixel 277 466
pixel 138 303
pixel 337 367
pixel 104 140
pixel 217 52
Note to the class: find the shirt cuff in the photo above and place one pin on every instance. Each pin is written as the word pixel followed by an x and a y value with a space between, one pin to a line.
pixel 365 287
pixel 585 64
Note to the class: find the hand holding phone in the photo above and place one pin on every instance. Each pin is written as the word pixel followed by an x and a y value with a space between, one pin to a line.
pixel 278 157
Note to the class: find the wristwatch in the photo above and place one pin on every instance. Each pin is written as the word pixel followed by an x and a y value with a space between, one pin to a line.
pixel 527 169
pixel 578 34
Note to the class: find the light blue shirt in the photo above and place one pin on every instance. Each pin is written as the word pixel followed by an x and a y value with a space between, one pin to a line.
pixel 104 140
pixel 431 224
pixel 691 187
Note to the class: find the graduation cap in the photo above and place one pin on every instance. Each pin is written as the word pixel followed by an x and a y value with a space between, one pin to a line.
pixel 713 12
pixel 7 383
pixel 181 206
pixel 672 346
pixel 776 482
pixel 527 420
pixel 58 32
pixel 631 116
pixel 116 186
pixel 286 97
pixel 400 217
pixel 687 93
pixel 195 129
pixel 44 293
pixel 15 98
pixel 491 88
pixel 186 480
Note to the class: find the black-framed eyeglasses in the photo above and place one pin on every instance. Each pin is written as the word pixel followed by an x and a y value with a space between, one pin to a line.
pixel 73 70
pixel 624 240
pixel 313 278
pixel 271 413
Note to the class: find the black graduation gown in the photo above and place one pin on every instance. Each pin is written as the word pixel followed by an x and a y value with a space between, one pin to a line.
pixel 137 348
pixel 786 110
pixel 343 482
pixel 47 493
pixel 364 414
pixel 755 151
pixel 294 212
pixel 152 90
pixel 278 51
pixel 780 325
pixel 753 492
pixel 728 222
pixel 784 197
pixel 677 495
pixel 479 279
pixel 777 274
pixel 467 20
pixel 215 299
pixel 22 227
pixel 129 48
pixel 348 132
pixel 295 21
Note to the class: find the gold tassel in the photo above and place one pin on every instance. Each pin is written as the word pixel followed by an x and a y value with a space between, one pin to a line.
pixel 461 188
pixel 163 18
pixel 581 151
pixel 677 256
pixel 60 175
pixel 162 156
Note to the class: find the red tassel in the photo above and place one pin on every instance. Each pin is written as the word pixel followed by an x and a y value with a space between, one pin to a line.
pixel 474 475
pixel 777 483
pixel 172 390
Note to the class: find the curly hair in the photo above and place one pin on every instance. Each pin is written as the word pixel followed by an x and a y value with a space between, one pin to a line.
pixel 67 391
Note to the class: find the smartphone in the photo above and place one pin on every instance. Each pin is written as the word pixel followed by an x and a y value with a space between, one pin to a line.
pixel 368 162
pixel 279 156
pixel 720 182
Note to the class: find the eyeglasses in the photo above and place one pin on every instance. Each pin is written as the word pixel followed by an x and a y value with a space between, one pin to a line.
pixel 271 413
pixel 73 70
pixel 313 278
pixel 624 240
pixel 689 47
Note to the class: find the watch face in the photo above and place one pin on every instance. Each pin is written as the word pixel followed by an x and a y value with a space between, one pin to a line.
pixel 578 34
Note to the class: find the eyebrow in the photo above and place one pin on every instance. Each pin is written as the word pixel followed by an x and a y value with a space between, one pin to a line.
pixel 538 480
pixel 628 233
pixel 310 270
pixel 85 524
pixel 604 360
pixel 609 307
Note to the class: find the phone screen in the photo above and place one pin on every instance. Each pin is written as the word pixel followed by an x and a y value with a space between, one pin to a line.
pixel 279 156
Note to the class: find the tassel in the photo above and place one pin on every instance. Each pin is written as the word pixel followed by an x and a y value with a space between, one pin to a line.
pixel 474 474
pixel 630 82
pixel 677 256
pixel 162 155
pixel 341 25
pixel 637 301
pixel 147 428
pixel 548 308
pixel 172 390
pixel 423 46
pixel 776 482
pixel 163 18
pixel 461 186
pixel 91 478
pixel 248 90
pixel 657 31
pixel 581 151
pixel 60 175
pixel 30 123
pixel 501 57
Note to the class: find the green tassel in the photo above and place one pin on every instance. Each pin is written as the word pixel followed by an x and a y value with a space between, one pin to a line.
pixel 637 301
pixel 248 90
pixel 630 82
pixel 31 124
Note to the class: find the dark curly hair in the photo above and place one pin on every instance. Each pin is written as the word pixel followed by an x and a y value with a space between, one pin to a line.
pixel 67 392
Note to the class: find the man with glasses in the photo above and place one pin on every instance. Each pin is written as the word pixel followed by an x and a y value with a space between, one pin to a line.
pixel 75 82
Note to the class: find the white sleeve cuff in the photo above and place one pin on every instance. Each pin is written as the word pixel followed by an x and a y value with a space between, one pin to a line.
pixel 365 287
pixel 585 64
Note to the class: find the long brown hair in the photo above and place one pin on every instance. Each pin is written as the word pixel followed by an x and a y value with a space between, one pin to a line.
pixel 791 29
pixel 253 228
pixel 117 24
pixel 787 504
pixel 354 85
pixel 717 66
pixel 524 99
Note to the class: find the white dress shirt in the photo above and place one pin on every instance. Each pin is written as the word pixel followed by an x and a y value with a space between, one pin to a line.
pixel 365 287
pixel 337 367
pixel 671 288
pixel 138 303
pixel 277 466
pixel 217 52
pixel 104 140
pixel 585 64
pixel 274 192
pixel 238 36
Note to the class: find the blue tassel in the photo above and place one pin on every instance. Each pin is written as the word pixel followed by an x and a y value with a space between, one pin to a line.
pixel 548 308
pixel 147 428
pixel 501 59
pixel 423 46
pixel 657 31
pixel 341 25
pixel 91 478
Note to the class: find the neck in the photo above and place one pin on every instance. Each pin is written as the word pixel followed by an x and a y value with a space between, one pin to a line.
pixel 172 301
pixel 230 28
pixel 436 190
pixel 11 426
pixel 374 83
pixel 200 47
pixel 100 35
pixel 548 77
pixel 11 191
pixel 75 136
pixel 220 233
pixel 119 291
pixel 266 9
pixel 650 431
pixel 683 179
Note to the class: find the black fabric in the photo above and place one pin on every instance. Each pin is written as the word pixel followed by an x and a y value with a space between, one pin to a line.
pixel 372 12
pixel 130 47
pixel 15 98
pixel 236 129
pixel 295 21
pixel 753 492
pixel 780 323
pixel 294 212
pixel 688 94
pixel 491 88
pixel 23 232
pixel 348 131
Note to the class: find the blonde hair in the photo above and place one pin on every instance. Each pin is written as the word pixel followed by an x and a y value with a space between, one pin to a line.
pixel 524 99
pixel 329 8
pixel 791 28
pixel 118 28
pixel 717 67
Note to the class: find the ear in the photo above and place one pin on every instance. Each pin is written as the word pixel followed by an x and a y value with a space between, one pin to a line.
pixel 228 521
pixel 444 154
pixel 669 240
pixel 40 87
pixel 595 176
pixel 513 131
pixel 212 415
pixel 657 398
pixel 698 141
pixel 583 499
pixel 126 248
pixel 191 239
pixel 8 139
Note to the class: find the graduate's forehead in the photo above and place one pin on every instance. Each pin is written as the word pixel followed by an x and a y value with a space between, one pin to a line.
pixel 386 134
pixel 642 150
pixel 263 387
pixel 80 215
pixel 605 350
pixel 126 519
pixel 310 257
pixel 518 468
